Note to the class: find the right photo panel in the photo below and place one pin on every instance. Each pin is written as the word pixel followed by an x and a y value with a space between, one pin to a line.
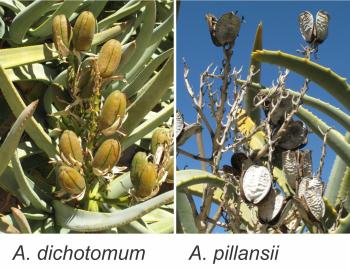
pixel 262 120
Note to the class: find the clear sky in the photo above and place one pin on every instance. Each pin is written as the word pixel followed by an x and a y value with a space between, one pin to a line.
pixel 280 32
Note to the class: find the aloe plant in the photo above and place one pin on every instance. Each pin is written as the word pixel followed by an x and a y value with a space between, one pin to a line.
pixel 99 75
pixel 269 186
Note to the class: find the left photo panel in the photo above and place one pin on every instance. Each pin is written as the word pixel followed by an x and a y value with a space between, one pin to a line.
pixel 86 116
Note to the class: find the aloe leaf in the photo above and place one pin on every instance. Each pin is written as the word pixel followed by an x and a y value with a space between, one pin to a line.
pixel 109 33
pixel 184 214
pixel 344 190
pixel 144 75
pixel 189 177
pixel 344 226
pixel 148 126
pixel 13 137
pixel 249 100
pixel 336 177
pixel 144 36
pixel 85 221
pixel 14 57
pixel 96 7
pixel 2 28
pixel 128 9
pixel 31 72
pixel 118 187
pixel 149 96
pixel 34 129
pixel 23 182
pixel 324 77
pixel 9 184
pixel 14 5
pixel 335 139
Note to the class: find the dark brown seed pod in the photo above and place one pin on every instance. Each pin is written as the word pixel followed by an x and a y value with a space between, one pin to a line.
pixel 161 136
pixel 107 156
pixel 306 163
pixel 113 108
pixel 70 180
pixel 70 146
pixel 294 137
pixel 239 162
pixel 109 58
pixel 143 175
pixel 62 34
pixel 271 207
pixel 83 31
pixel 285 107
pixel 256 184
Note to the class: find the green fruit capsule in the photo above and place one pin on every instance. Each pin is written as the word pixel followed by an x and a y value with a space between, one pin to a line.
pixel 109 58
pixel 161 136
pixel 70 180
pixel 62 34
pixel 114 107
pixel 143 175
pixel 83 31
pixel 70 146
pixel 107 155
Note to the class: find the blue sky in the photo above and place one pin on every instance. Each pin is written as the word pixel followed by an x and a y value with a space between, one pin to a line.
pixel 280 32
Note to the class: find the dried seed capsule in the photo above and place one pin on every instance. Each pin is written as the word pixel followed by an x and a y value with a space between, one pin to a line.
pixel 290 165
pixel 294 137
pixel 306 163
pixel 83 31
pixel 70 180
pixel 143 175
pixel 107 155
pixel 270 208
pixel 161 136
pixel 113 108
pixel 109 58
pixel 311 190
pixel 256 183
pixel 70 146
pixel 283 109
pixel 62 34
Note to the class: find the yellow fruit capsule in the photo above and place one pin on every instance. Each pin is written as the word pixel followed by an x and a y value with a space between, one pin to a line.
pixel 70 180
pixel 83 31
pixel 70 146
pixel 113 107
pixel 109 58
pixel 161 136
pixel 170 169
pixel 143 175
pixel 62 34
pixel 107 155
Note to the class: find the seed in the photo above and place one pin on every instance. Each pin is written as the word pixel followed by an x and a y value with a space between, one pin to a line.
pixel 70 146
pixel 83 31
pixel 62 34
pixel 70 180
pixel 161 136
pixel 109 58
pixel 107 155
pixel 143 175
pixel 256 183
pixel 270 208
pixel 113 108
